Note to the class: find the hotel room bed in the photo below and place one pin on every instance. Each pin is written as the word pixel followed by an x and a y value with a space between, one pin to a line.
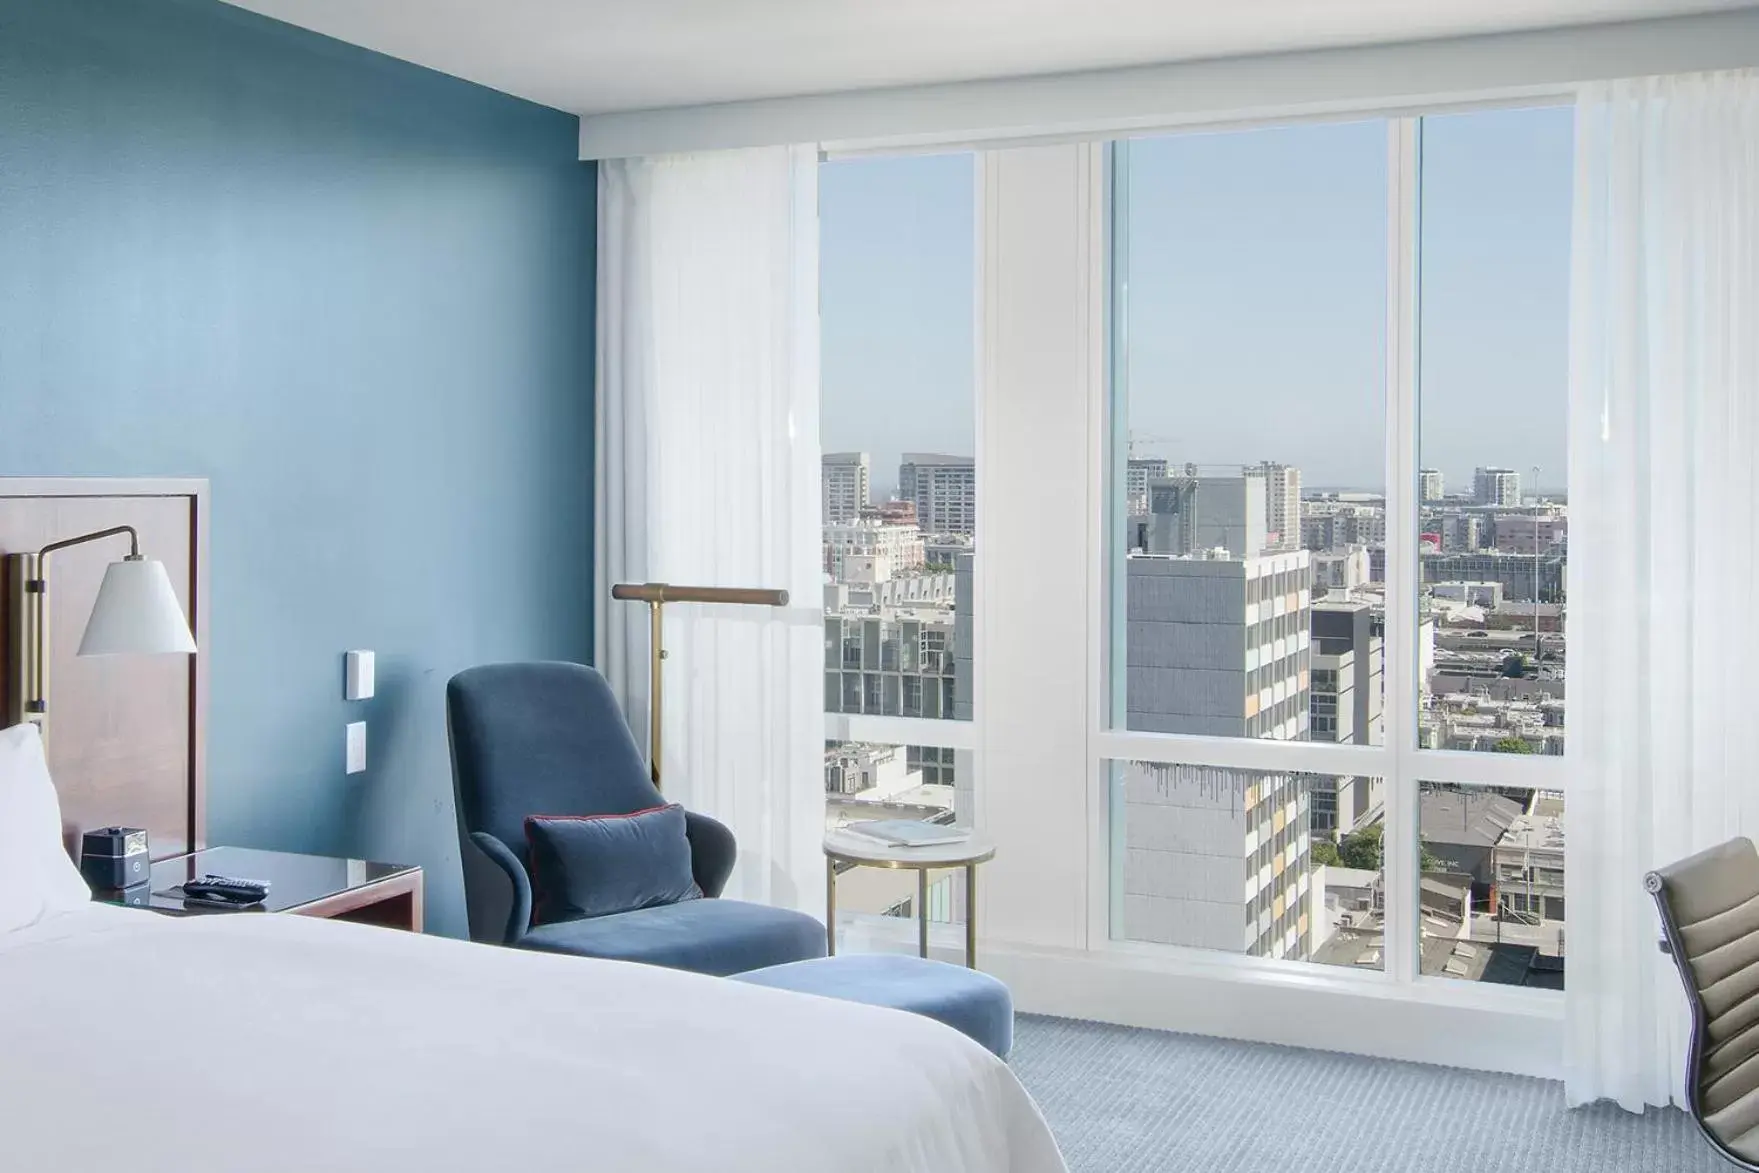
pixel 244 1043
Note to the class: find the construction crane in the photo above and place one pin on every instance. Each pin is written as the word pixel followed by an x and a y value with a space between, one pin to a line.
pixel 1138 438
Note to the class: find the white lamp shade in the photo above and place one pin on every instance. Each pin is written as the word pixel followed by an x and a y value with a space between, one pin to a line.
pixel 136 613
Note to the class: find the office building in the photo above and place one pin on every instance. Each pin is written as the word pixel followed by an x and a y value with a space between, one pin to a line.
pixel 846 480
pixel 1137 473
pixel 1333 525
pixel 1282 503
pixel 1219 646
pixel 1202 514
pixel 1345 703
pixel 1496 486
pixel 1528 863
pixel 1519 574
pixel 943 489
pixel 1430 485
pixel 1340 571
pixel 1530 533
pixel 896 663
pixel 1218 858
pixel 1462 532
pixel 901 546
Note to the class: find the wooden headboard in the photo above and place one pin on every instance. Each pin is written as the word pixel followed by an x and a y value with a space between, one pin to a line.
pixel 126 734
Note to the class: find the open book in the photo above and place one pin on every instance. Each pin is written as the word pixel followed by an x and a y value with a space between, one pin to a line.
pixel 906 833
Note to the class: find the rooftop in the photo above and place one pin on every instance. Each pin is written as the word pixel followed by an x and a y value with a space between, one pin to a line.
pixel 1466 818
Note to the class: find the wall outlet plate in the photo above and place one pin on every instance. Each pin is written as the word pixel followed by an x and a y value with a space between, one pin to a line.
pixel 357 747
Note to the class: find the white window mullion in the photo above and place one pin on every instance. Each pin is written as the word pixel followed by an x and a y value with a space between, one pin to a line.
pixel 900 730
pixel 1471 768
pixel 1399 854
pixel 1041 347
pixel 1245 753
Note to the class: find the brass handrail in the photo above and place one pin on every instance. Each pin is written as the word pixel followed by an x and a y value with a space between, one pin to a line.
pixel 656 595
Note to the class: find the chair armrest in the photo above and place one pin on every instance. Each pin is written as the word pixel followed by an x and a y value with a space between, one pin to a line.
pixel 519 915
pixel 712 852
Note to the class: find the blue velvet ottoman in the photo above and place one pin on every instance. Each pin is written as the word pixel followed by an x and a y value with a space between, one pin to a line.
pixel 972 1003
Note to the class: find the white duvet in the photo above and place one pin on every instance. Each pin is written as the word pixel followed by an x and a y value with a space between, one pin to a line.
pixel 259 1043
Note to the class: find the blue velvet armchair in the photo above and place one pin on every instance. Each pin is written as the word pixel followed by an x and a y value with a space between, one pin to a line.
pixel 549 739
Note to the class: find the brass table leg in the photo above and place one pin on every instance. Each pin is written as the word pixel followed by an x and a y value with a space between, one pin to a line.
pixel 830 907
pixel 922 912
pixel 970 916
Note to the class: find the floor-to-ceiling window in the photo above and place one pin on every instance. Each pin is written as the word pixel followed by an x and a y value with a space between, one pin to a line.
pixel 1337 532
pixel 1263 672
pixel 897 424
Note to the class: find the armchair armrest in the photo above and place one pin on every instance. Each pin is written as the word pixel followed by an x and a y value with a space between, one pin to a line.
pixel 519 915
pixel 712 852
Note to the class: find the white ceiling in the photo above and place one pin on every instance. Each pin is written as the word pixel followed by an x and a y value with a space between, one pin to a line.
pixel 597 56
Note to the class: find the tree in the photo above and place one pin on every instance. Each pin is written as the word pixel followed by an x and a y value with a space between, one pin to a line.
pixel 1511 745
pixel 1362 849
pixel 1514 665
pixel 1325 853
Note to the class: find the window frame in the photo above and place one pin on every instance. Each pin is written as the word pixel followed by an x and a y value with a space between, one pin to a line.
pixel 1045 901
pixel 1400 761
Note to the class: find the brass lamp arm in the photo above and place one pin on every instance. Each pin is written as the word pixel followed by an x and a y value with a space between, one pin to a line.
pixel 36 588
pixel 97 535
pixel 656 595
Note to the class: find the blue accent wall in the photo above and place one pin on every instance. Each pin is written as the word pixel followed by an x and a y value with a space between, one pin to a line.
pixel 357 296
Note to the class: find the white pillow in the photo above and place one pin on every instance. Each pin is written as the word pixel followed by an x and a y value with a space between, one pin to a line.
pixel 36 876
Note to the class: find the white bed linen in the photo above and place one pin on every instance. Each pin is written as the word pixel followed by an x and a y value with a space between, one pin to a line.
pixel 326 1046
pixel 37 878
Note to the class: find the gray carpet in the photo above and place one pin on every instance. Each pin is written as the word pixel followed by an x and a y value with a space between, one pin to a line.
pixel 1126 1101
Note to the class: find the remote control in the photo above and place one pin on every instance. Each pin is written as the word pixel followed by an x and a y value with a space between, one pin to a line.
pixel 209 889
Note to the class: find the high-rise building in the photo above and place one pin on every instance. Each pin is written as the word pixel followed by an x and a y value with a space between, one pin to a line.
pixel 1201 514
pixel 1218 858
pixel 1219 646
pixel 944 489
pixel 1496 486
pixel 846 479
pixel 1348 662
pixel 1137 473
pixel 1430 485
pixel 1282 503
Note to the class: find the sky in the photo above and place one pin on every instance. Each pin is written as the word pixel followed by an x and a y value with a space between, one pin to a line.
pixel 1255 285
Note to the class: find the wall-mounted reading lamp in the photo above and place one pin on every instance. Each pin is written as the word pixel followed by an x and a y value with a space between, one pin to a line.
pixel 136 613
pixel 656 595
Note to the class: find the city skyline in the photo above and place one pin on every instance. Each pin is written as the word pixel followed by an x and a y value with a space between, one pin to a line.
pixel 1257 274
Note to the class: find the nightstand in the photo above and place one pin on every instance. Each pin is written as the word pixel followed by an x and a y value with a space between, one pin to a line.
pixel 303 885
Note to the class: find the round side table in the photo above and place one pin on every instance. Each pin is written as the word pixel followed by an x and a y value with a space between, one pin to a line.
pixel 860 852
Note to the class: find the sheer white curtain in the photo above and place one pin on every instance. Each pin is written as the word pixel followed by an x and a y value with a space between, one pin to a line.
pixel 1664 504
pixel 709 475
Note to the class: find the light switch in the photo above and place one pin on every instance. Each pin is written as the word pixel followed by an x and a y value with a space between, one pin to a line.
pixel 358 682
pixel 357 747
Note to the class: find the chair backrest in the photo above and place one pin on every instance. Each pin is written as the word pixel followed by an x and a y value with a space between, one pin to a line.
pixel 1709 905
pixel 540 739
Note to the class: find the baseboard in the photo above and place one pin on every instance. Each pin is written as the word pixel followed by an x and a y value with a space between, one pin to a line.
pixel 1422 1024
